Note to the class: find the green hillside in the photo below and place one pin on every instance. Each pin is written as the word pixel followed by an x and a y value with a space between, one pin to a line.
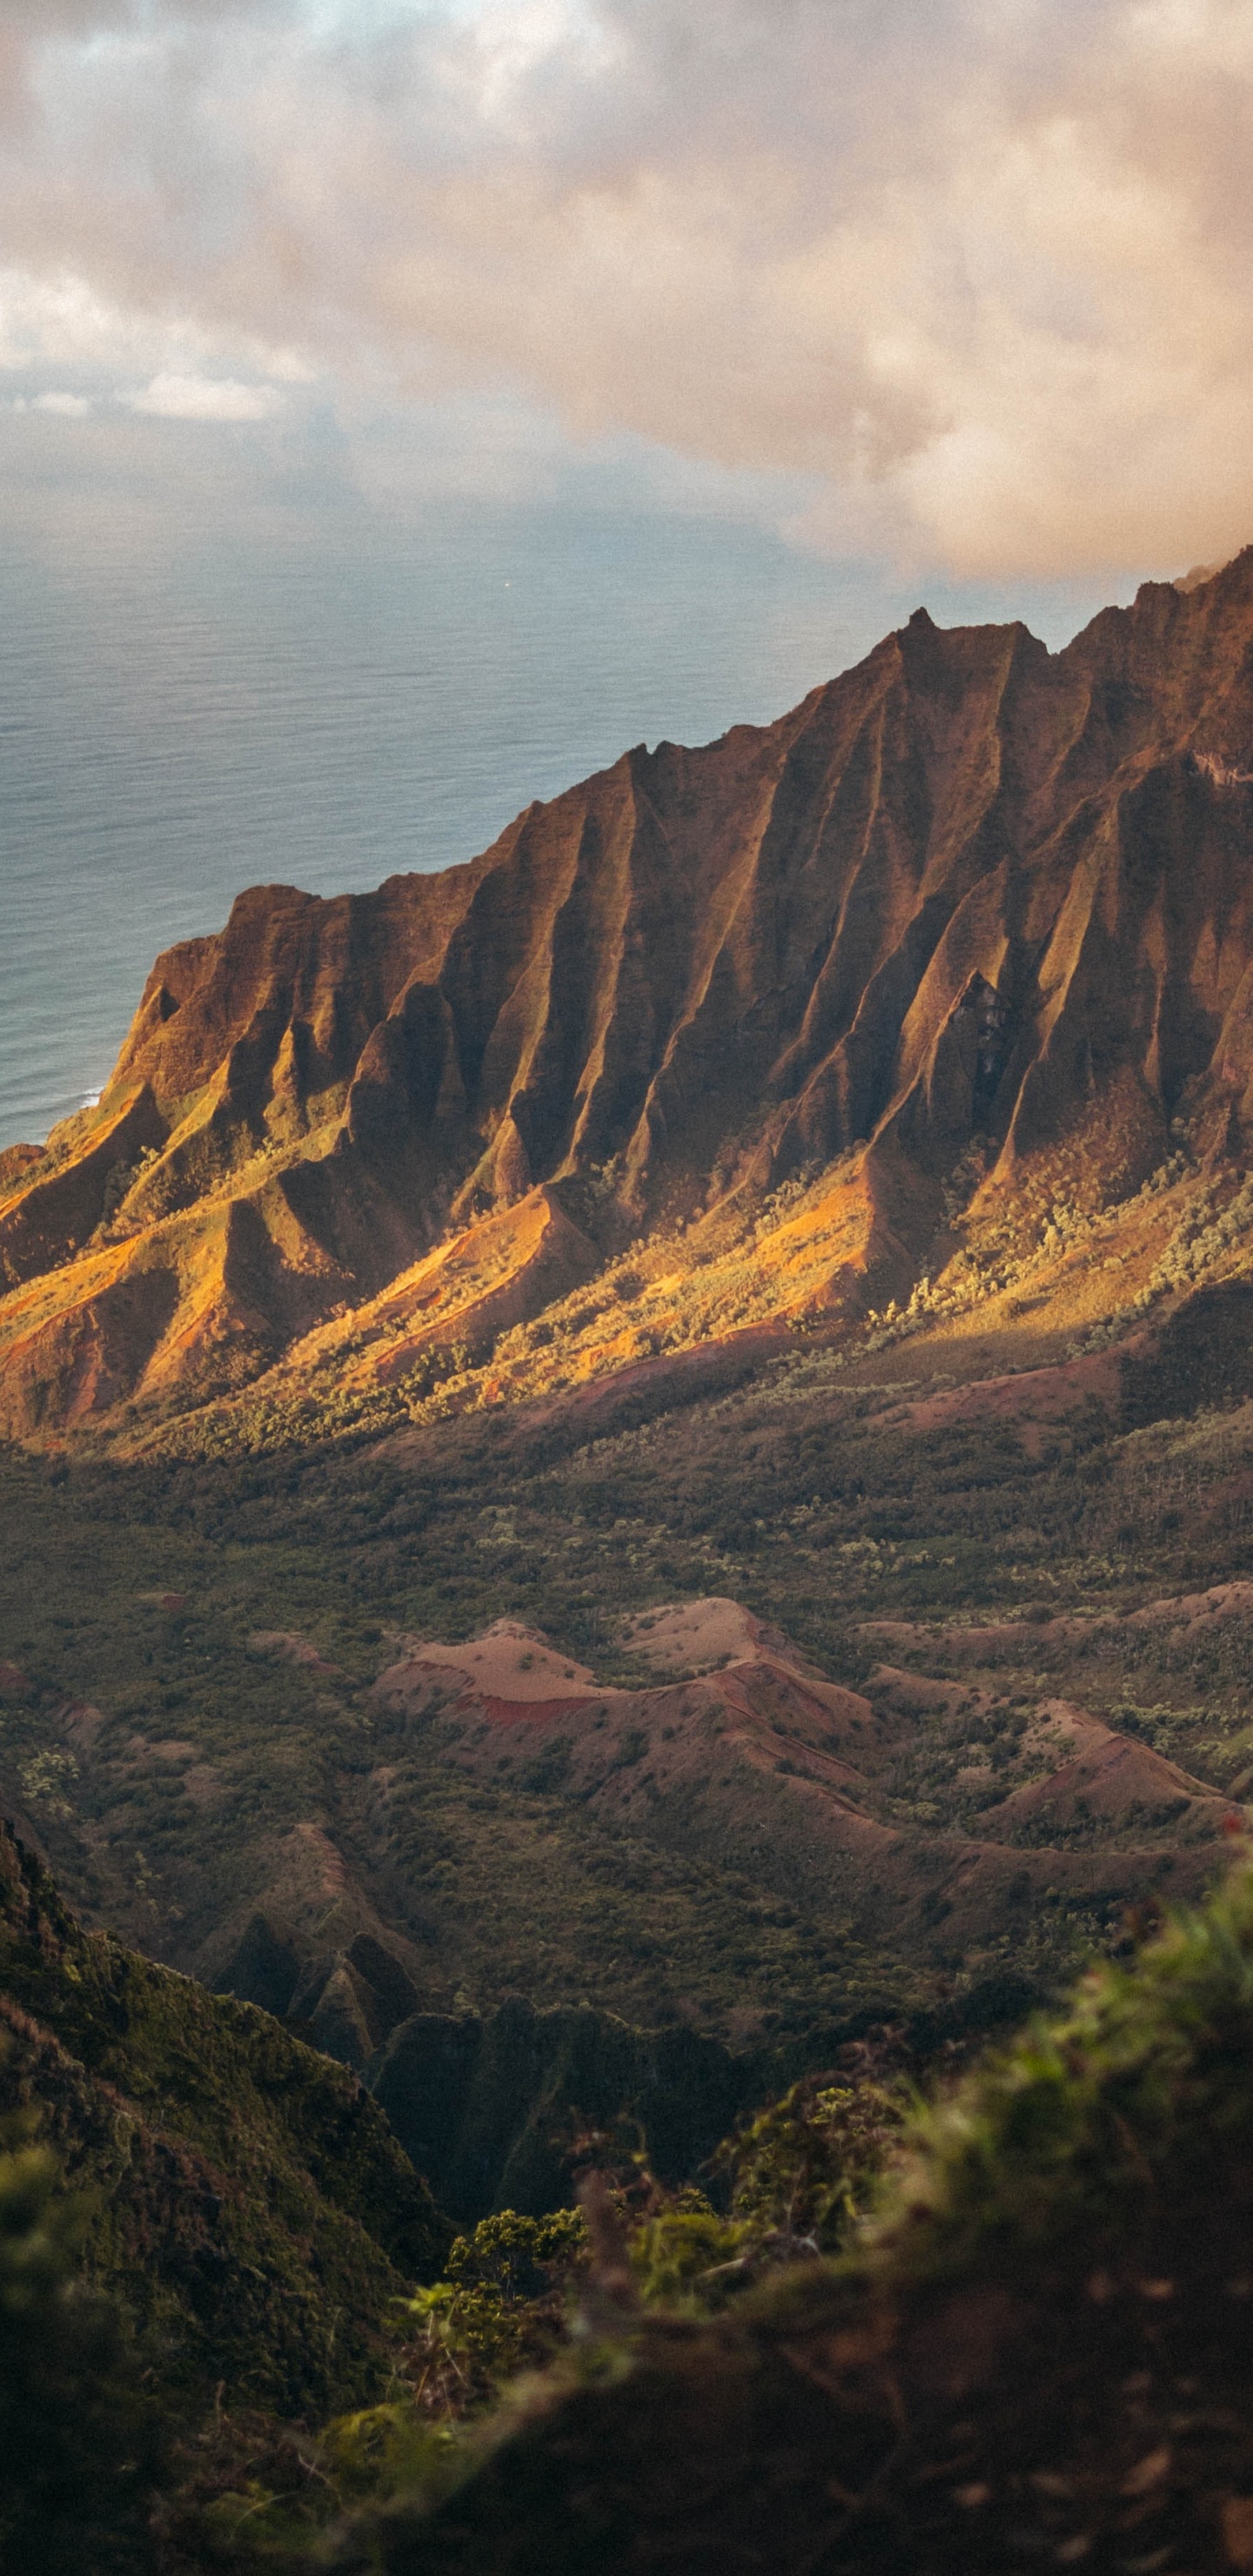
pixel 244 2203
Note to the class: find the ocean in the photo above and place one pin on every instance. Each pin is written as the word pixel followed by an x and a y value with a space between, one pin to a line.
pixel 322 700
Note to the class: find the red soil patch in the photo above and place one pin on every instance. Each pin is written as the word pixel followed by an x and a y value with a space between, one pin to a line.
pixel 530 1712
pixel 509 1666
pixel 1029 1396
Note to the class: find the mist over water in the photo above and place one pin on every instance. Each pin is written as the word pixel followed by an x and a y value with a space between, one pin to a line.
pixel 323 701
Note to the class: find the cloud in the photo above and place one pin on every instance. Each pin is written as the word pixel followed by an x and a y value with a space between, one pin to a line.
pixel 63 406
pixel 979 271
pixel 175 397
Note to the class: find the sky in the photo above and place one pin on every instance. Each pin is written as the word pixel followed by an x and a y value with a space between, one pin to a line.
pixel 961 290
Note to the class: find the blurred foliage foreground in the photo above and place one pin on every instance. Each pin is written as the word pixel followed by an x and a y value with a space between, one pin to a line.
pixel 1011 2325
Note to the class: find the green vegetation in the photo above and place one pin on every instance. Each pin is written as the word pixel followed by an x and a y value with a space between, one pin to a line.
pixel 800 1492
pixel 523 2294
pixel 1008 2318
pixel 1094 2133
pixel 158 1751
pixel 501 2309
pixel 1038 2347
pixel 250 2212
pixel 79 2438
pixel 164 1759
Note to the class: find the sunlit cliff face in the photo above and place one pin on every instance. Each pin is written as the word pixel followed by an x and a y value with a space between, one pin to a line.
pixel 845 1023
pixel 979 274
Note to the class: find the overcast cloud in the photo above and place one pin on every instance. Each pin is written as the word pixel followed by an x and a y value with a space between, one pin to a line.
pixel 980 271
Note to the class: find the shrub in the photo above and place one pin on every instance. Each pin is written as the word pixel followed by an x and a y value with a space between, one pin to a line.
pixel 78 2444
pixel 1039 2349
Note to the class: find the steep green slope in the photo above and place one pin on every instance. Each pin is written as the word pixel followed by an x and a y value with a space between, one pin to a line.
pixel 245 2203
pixel 82 2442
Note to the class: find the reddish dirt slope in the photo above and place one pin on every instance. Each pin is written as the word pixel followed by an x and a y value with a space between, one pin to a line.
pixel 748 1745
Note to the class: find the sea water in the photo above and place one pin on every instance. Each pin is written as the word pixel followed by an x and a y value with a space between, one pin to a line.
pixel 325 703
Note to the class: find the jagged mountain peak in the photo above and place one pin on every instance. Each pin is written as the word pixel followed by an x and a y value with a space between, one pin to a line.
pixel 969 890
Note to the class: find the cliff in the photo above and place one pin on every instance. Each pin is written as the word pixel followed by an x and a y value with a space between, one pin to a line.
pixel 968 890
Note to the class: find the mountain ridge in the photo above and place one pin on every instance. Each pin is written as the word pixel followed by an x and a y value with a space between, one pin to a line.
pixel 967 891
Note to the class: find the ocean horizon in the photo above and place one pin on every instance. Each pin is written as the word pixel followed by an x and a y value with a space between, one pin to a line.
pixel 326 702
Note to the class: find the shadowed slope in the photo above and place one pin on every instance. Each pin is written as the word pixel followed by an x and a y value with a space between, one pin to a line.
pixel 250 2209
